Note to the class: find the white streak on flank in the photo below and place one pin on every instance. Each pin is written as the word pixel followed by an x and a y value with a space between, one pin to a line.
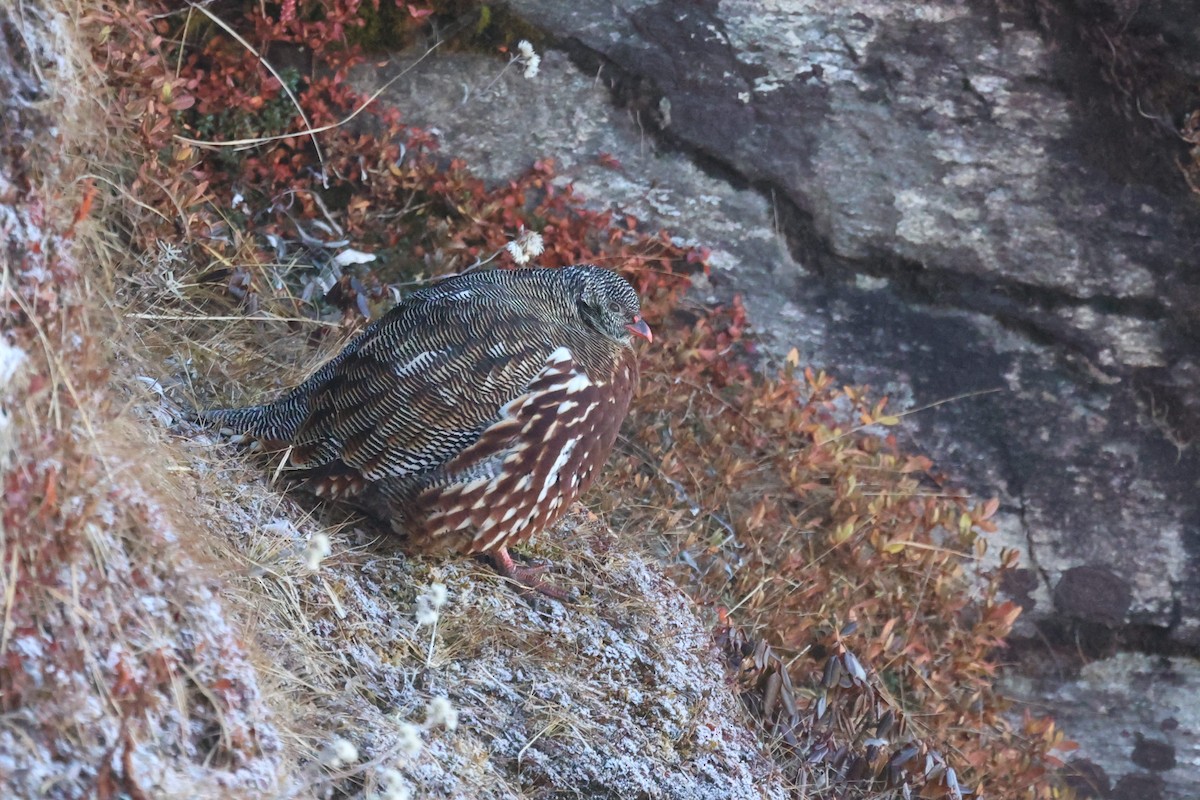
pixel 512 512
pixel 497 350
pixel 524 483
pixel 582 419
pixel 560 355
pixel 566 405
pixel 503 532
pixel 538 417
pixel 578 383
pixel 559 463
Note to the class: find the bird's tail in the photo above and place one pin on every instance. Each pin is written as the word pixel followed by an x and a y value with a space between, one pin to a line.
pixel 278 421
pixel 247 422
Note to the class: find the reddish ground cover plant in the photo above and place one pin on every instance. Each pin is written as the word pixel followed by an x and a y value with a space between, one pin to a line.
pixel 857 617
pixel 92 689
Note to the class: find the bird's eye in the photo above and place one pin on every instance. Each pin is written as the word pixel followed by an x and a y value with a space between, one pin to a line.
pixel 614 307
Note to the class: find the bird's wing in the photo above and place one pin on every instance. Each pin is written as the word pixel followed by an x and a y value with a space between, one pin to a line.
pixel 556 416
pixel 423 384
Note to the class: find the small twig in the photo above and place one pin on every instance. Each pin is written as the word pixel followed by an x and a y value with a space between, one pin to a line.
pixel 125 192
pixel 320 201
pixel 478 264
pixel 10 593
pixel 761 583
pixel 912 411
pixel 204 318
pixel 242 143
pixel 530 743
pixel 187 23
pixel 512 60
pixel 283 460
pixel 934 548
pixel 432 642
pixel 338 609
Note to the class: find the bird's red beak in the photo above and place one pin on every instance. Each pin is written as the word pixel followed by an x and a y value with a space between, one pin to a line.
pixel 639 328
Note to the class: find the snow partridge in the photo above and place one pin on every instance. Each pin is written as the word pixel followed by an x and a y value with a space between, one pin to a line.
pixel 471 415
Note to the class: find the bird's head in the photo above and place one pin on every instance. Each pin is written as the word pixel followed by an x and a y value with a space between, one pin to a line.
pixel 609 304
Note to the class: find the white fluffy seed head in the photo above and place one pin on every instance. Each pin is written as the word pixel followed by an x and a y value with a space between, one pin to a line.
pixel 517 252
pixel 427 615
pixel 528 245
pixel 345 750
pixel 441 712
pixel 528 58
pixel 430 603
pixel 531 66
pixel 316 552
pixel 534 244
pixel 393 786
pixel 408 739
pixel 339 753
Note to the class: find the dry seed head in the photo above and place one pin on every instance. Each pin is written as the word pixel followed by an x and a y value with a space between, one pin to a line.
pixel 441 712
pixel 517 252
pixel 409 740
pixel 11 359
pixel 527 246
pixel 528 58
pixel 393 786
pixel 426 616
pixel 316 552
pixel 533 243
pixel 430 603
pixel 338 753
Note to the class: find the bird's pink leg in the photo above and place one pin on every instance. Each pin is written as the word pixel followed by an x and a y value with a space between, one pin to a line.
pixel 528 577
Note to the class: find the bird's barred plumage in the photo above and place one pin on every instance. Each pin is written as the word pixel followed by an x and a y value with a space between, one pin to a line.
pixel 471 415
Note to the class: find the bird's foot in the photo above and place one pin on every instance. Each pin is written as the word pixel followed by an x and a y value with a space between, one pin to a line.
pixel 528 577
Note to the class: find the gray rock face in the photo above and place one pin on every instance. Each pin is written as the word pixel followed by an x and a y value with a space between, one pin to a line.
pixel 972 233
pixel 911 195
pixel 1139 717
